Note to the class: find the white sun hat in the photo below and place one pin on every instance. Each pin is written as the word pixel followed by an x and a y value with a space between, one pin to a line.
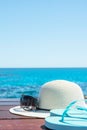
pixel 55 94
pixel 59 93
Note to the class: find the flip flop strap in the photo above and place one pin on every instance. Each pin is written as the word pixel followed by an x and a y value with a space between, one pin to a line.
pixel 65 113
pixel 81 108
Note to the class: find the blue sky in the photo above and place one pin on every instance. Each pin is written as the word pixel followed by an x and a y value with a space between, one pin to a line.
pixel 43 33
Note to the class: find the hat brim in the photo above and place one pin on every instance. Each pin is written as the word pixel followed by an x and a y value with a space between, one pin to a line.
pixel 37 113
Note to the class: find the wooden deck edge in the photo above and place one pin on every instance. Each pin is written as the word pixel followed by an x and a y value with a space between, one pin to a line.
pixel 8 101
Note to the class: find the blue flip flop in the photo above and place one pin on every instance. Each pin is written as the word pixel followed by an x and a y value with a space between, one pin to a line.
pixel 66 121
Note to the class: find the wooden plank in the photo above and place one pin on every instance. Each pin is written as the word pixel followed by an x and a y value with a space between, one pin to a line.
pixel 22 124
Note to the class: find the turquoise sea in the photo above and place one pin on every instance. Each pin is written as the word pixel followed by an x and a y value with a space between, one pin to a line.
pixel 17 81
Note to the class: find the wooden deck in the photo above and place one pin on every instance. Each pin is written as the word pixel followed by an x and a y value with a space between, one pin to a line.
pixel 10 121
